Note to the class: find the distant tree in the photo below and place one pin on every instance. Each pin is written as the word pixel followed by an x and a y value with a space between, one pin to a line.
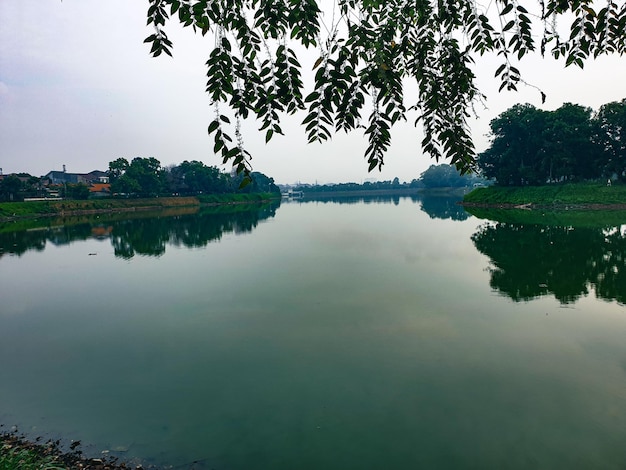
pixel 260 184
pixel 142 176
pixel 195 178
pixel 416 183
pixel 443 176
pixel 75 191
pixel 148 174
pixel 10 188
pixel 125 185
pixel 117 168
pixel 610 135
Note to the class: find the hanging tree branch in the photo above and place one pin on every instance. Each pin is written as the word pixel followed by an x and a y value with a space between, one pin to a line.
pixel 370 49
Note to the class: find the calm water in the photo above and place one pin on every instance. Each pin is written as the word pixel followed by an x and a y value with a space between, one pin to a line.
pixel 323 335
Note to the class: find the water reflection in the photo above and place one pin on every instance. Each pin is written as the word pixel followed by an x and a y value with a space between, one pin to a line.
pixel 436 204
pixel 327 339
pixel 443 207
pixel 145 234
pixel 530 260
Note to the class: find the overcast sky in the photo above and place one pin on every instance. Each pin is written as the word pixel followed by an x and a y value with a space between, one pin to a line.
pixel 79 88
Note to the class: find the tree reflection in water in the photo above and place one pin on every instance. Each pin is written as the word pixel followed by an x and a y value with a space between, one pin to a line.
pixel 529 260
pixel 438 205
pixel 145 234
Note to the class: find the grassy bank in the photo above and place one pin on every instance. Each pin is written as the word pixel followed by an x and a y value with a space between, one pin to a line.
pixel 574 194
pixel 17 210
pixel 18 453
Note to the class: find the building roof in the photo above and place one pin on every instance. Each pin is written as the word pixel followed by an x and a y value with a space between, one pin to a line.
pixel 100 188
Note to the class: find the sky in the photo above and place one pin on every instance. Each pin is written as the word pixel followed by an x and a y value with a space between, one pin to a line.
pixel 79 88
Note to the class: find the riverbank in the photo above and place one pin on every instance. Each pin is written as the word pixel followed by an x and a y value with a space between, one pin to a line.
pixel 18 453
pixel 54 208
pixel 593 196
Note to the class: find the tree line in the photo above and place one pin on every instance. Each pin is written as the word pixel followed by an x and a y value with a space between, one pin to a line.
pixel 146 177
pixel 143 177
pixel 436 176
pixel 530 146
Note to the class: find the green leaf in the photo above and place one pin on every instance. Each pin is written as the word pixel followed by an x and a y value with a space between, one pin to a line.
pixel 507 9
pixel 509 25
pixel 214 126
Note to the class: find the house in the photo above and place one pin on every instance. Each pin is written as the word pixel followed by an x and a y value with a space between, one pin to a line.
pixel 63 177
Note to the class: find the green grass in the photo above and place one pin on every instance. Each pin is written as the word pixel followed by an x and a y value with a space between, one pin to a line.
pixel 34 208
pixel 18 455
pixel 554 194
pixel 35 222
pixel 16 210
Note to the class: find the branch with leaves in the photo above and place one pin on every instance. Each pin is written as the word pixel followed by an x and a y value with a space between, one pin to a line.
pixel 369 50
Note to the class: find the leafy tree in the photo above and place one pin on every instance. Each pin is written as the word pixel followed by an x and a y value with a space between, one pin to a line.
pixel 530 146
pixel 125 185
pixel 610 135
pixel 117 168
pixel 195 177
pixel 369 49
pixel 76 191
pixel 568 151
pixel 517 149
pixel 443 176
pixel 142 176
pixel 148 174
pixel 119 183
pixel 10 187
pixel 260 184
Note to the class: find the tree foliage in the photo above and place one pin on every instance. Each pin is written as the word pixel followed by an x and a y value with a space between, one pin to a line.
pixel 75 191
pixel 16 187
pixel 10 186
pixel 368 49
pixel 610 135
pixel 572 143
pixel 146 177
pixel 446 176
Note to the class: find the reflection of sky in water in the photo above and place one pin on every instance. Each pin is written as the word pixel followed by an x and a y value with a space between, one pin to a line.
pixel 357 336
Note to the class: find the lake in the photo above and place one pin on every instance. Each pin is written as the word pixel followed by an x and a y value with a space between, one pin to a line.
pixel 336 334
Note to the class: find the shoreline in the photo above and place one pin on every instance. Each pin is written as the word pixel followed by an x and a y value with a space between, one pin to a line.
pixel 556 207
pixel 17 449
pixel 123 207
